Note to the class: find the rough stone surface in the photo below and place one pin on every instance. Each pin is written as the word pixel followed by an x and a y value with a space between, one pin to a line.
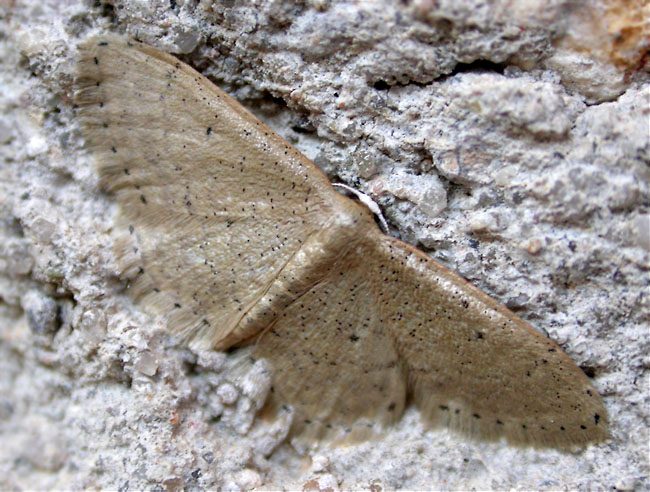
pixel 510 139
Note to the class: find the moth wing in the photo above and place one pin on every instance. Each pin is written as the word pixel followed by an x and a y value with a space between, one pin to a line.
pixel 333 360
pixel 476 367
pixel 385 325
pixel 213 202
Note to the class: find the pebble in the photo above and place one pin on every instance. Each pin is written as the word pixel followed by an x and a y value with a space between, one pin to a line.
pixel 228 393
pixel 42 312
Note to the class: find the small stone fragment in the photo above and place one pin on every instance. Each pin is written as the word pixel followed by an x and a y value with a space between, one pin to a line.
pixel 42 312
pixel 248 479
pixel 147 363
pixel 533 246
pixel 228 393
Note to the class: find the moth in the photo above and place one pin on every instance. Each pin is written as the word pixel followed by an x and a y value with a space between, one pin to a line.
pixel 242 242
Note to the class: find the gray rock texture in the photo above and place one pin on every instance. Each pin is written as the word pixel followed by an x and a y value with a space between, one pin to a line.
pixel 509 139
